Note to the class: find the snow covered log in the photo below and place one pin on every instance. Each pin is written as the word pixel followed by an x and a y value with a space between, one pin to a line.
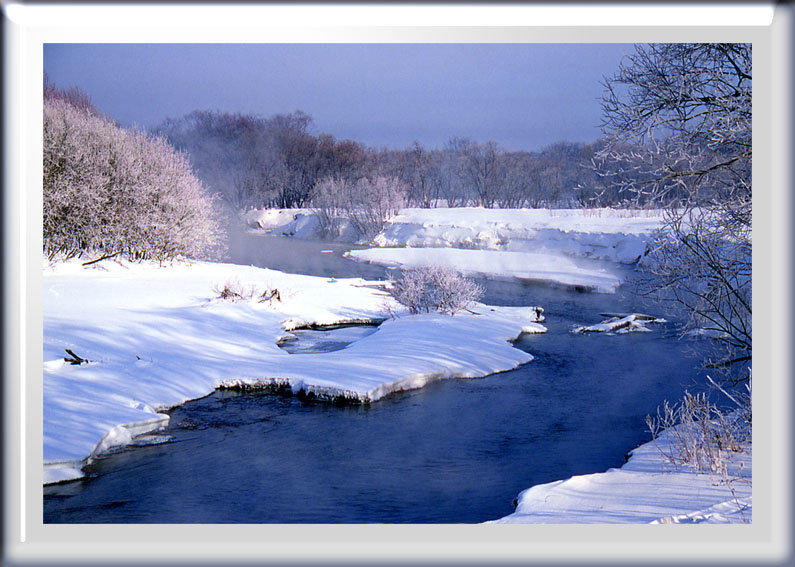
pixel 634 322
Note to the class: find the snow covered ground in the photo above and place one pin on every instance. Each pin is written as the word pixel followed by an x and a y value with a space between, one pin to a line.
pixel 498 264
pixel 647 489
pixel 603 234
pixel 533 244
pixel 156 337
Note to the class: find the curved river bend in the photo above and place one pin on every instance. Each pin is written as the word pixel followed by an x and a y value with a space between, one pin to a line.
pixel 454 451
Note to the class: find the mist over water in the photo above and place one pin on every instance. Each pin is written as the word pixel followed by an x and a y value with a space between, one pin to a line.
pixel 454 451
pixel 293 255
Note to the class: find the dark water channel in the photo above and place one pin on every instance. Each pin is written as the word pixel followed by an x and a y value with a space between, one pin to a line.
pixel 455 451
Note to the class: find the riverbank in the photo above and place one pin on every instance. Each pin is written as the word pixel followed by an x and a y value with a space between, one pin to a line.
pixel 147 338
pixel 580 249
pixel 615 235
pixel 649 488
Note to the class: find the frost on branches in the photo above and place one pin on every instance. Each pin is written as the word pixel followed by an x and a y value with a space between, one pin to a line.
pixel 111 191
pixel 366 203
pixel 678 117
pixel 432 289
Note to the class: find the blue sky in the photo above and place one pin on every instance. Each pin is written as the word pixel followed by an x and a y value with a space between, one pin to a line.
pixel 523 96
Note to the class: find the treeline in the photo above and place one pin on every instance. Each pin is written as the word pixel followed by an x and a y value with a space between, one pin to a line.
pixel 255 162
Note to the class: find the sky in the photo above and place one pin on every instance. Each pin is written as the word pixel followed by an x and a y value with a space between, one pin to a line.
pixel 523 96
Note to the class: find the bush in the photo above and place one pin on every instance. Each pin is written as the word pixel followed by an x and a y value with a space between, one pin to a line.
pixel 112 191
pixel 431 289
pixel 233 291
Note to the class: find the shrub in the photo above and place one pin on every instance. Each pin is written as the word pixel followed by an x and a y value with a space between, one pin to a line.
pixel 112 191
pixel 233 291
pixel 430 289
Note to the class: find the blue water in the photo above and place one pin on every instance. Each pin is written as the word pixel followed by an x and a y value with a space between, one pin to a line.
pixel 454 451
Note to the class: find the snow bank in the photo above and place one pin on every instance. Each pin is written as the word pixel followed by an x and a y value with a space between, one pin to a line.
pixel 532 244
pixel 298 223
pixel 647 489
pixel 156 337
pixel 497 264
pixel 603 234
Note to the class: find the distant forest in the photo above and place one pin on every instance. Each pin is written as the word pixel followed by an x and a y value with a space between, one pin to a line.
pixel 255 162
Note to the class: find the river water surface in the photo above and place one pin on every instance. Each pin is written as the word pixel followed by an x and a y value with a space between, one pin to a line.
pixel 454 451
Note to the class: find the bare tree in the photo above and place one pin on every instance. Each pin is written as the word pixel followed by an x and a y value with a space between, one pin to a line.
pixel 418 166
pixel 230 153
pixel 486 171
pixel 678 119
pixel 522 183
pixel 373 201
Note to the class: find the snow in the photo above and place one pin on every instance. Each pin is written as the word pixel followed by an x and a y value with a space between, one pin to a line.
pixel 555 246
pixel 634 322
pixel 498 264
pixel 157 337
pixel 298 223
pixel 647 489
pixel 603 234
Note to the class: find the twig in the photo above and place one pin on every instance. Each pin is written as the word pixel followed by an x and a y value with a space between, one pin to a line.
pixel 105 257
pixel 74 358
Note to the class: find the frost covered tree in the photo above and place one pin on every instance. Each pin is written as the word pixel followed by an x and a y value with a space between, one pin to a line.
pixel 678 120
pixel 366 203
pixel 373 201
pixel 110 191
pixel 329 203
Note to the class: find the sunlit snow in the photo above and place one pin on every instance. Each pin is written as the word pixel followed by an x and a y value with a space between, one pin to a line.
pixel 157 337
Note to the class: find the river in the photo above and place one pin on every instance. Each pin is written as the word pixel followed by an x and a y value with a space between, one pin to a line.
pixel 455 451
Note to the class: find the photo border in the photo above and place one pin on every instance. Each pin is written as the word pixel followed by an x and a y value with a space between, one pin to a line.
pixel 766 541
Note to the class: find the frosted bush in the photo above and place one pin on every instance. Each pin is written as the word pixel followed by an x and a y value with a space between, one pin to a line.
pixel 698 434
pixel 430 289
pixel 234 291
pixel 110 191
